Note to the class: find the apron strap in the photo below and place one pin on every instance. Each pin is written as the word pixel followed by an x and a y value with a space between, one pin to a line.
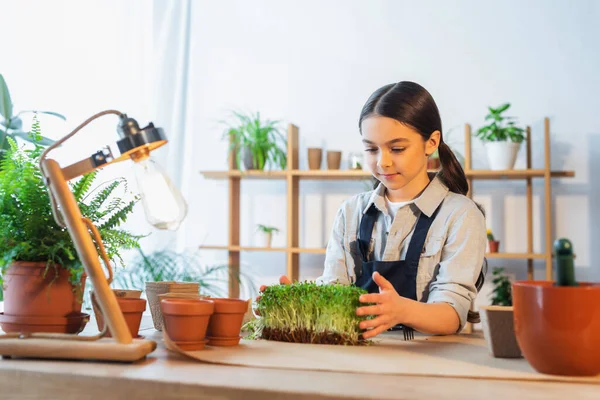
pixel 417 242
pixel 366 231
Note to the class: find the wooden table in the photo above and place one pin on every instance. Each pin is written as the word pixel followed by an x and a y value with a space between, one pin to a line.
pixel 165 375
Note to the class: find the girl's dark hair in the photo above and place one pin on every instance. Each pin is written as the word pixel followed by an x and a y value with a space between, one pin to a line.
pixel 410 104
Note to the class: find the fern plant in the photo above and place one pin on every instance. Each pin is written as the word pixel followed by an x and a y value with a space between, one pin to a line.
pixel 169 265
pixel 28 231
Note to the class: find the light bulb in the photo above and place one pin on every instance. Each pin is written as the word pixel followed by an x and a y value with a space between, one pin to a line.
pixel 163 203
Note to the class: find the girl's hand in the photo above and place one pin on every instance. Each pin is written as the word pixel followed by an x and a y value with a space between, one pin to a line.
pixel 283 280
pixel 390 308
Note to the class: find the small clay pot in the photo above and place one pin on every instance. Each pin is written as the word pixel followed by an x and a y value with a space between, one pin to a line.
pixel 186 320
pixel 558 327
pixel 155 289
pixel 433 163
pixel 132 310
pixel 315 156
pixel 226 322
pixel 494 245
pixel 127 293
pixel 334 159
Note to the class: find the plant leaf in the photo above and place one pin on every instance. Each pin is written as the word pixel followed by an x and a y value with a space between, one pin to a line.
pixel 44 112
pixel 6 106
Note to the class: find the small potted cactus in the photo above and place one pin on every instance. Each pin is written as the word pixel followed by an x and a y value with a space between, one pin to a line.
pixel 493 244
pixel 309 313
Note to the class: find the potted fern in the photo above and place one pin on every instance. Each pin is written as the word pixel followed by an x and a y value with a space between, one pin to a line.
pixel 502 138
pixel 497 319
pixel 256 142
pixel 40 271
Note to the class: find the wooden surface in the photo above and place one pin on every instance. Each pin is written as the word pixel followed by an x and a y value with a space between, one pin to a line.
pixel 166 375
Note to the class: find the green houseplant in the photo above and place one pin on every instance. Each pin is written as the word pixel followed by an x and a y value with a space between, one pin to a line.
pixel 256 142
pixel 11 125
pixel 305 312
pixel 29 233
pixel 502 138
pixel 497 319
pixel 267 233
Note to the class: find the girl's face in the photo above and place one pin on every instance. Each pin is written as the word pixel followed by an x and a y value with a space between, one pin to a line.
pixel 396 154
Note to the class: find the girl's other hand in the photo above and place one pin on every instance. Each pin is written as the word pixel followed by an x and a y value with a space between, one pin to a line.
pixel 283 280
pixel 390 308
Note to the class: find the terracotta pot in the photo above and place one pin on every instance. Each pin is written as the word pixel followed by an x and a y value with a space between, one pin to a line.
pixel 186 320
pixel 226 322
pixel 181 296
pixel 558 327
pixel 334 159
pixel 499 332
pixel 24 324
pixel 154 289
pixel 494 245
pixel 315 156
pixel 27 292
pixel 132 310
pixel 130 294
pixel 433 163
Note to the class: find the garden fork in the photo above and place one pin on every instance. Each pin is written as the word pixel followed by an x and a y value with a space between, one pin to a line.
pixel 407 331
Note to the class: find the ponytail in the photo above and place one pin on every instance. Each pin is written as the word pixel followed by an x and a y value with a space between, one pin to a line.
pixel 452 173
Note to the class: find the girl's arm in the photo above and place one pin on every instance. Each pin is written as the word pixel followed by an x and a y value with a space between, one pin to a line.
pixel 336 268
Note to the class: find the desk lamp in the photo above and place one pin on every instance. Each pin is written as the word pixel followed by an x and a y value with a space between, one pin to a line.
pixel 165 209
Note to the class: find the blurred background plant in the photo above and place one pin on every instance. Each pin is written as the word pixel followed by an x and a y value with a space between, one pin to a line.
pixel 170 265
pixel 11 125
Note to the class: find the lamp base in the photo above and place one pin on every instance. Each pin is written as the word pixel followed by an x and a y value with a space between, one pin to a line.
pixel 105 349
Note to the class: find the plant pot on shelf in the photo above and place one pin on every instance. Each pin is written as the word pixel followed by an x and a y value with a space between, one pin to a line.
pixel 132 310
pixel 226 322
pixel 334 159
pixel 154 289
pixel 498 331
pixel 494 245
pixel 558 327
pixel 315 156
pixel 265 239
pixel 433 163
pixel 502 155
pixel 186 321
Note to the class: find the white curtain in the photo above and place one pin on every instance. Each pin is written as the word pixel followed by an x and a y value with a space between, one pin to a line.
pixel 171 66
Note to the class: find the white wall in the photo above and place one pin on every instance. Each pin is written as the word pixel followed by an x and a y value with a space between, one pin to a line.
pixel 314 63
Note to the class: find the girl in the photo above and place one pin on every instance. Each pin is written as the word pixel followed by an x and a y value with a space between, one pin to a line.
pixel 415 242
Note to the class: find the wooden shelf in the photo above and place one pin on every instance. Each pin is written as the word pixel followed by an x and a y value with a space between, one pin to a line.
pixel 521 256
pixel 245 174
pixel 245 248
pixel 323 174
pixel 516 174
pixel 314 250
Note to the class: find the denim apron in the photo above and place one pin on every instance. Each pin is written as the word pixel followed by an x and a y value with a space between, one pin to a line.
pixel 402 274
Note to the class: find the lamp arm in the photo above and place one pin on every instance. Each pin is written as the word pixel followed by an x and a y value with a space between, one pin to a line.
pixel 55 212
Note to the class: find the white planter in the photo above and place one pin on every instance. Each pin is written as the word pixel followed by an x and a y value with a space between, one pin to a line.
pixel 502 155
pixel 264 239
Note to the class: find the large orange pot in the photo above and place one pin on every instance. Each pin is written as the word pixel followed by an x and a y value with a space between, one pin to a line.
pixel 27 292
pixel 558 327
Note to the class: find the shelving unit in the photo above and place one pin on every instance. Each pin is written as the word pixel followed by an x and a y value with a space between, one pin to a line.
pixel 292 176
pixel 528 175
